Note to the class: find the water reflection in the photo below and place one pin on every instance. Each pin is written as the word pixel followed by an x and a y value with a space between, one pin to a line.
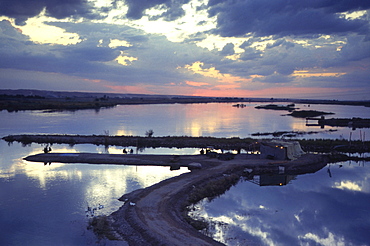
pixel 45 205
pixel 314 209
pixel 213 119
pixel 268 179
pixel 42 205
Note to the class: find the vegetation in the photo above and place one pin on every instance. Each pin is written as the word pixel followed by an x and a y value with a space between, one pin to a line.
pixel 289 107
pixel 149 133
pixel 337 145
pixel 39 103
pixel 138 141
pixel 308 113
pixel 101 227
pixel 313 145
pixel 209 189
pixel 18 96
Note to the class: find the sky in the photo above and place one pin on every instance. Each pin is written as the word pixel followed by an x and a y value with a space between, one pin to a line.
pixel 317 49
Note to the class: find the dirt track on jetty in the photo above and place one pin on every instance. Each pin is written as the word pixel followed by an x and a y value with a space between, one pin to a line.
pixel 155 215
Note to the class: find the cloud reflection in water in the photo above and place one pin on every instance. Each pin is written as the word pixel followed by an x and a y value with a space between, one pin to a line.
pixel 313 209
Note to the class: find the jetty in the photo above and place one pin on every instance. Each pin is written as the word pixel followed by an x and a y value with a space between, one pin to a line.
pixel 173 161
pixel 340 122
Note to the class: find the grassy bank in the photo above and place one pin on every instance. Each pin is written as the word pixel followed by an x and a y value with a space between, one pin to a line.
pixel 312 145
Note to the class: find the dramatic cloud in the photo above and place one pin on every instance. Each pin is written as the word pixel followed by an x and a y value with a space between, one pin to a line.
pixel 194 47
pixel 173 10
pixel 157 59
pixel 285 17
pixel 21 10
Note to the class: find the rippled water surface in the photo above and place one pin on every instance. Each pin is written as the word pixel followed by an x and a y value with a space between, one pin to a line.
pixel 45 205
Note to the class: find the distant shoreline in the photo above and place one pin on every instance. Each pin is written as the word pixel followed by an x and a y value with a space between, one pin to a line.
pixel 16 100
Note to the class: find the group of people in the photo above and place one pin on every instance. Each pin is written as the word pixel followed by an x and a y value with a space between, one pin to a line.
pixel 128 151
pixel 47 149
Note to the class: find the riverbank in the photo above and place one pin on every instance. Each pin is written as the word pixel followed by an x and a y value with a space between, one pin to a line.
pixel 235 143
pixel 157 215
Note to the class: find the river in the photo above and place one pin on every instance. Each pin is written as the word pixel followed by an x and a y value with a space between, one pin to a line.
pixel 45 205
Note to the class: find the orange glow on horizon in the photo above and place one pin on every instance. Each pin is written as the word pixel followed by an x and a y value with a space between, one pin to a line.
pixel 193 83
pixel 94 80
pixel 130 89
pixel 212 72
pixel 277 92
pixel 307 74
pixel 232 91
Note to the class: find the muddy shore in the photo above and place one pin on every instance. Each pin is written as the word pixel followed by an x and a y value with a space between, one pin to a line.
pixel 157 215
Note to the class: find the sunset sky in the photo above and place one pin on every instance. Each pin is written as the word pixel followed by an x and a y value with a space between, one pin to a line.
pixel 232 48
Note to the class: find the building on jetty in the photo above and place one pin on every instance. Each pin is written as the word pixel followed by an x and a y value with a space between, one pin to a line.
pixel 281 150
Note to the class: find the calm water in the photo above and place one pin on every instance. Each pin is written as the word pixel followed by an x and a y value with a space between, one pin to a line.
pixel 313 209
pixel 45 205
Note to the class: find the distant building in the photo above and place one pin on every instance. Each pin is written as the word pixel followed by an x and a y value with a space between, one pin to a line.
pixel 281 150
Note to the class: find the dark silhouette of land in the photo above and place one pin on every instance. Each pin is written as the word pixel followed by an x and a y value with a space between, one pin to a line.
pixel 14 100
pixel 235 143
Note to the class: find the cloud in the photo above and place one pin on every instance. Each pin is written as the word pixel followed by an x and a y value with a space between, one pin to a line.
pixel 157 59
pixel 25 79
pixel 356 49
pixel 172 9
pixel 21 10
pixel 9 33
pixel 285 17
pixel 228 50
pixel 265 43
pixel 250 54
pixel 91 54
pixel 274 78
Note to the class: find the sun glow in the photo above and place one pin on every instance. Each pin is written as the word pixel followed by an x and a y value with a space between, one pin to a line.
pixel 192 83
pixel 176 30
pixel 212 72
pixel 42 33
pixel 114 43
pixel 306 74
pixel 125 60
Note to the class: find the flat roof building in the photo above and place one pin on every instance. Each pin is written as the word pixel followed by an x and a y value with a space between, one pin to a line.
pixel 281 150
